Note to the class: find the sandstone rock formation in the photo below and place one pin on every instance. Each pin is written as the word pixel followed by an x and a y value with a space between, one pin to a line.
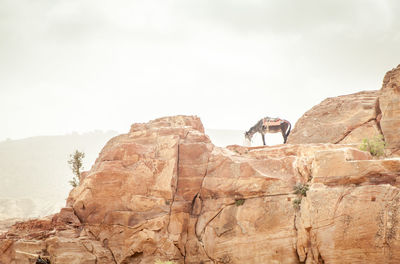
pixel 351 118
pixel 389 103
pixel 164 192
pixel 335 119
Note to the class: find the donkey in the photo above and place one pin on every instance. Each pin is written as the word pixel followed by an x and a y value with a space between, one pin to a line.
pixel 270 125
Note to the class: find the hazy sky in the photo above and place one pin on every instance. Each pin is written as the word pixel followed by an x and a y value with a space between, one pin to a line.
pixel 79 65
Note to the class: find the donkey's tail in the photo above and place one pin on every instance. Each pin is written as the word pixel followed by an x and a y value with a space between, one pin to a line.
pixel 288 131
pixel 290 127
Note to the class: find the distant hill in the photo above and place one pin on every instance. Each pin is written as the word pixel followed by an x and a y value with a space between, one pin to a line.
pixel 28 207
pixel 37 167
pixel 225 137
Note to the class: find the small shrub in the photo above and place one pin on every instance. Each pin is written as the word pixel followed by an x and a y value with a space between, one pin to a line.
pixel 76 165
pixel 239 202
pixel 296 203
pixel 375 146
pixel 300 189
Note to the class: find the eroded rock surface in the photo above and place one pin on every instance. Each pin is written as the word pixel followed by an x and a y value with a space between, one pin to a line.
pixel 352 118
pixel 164 191
pixel 389 103
pixel 342 119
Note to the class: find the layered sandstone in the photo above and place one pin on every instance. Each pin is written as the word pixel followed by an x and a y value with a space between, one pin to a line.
pixel 389 103
pixel 164 191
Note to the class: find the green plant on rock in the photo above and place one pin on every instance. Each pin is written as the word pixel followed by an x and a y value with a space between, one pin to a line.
pixel 296 203
pixel 76 165
pixel 239 202
pixel 375 146
pixel 300 189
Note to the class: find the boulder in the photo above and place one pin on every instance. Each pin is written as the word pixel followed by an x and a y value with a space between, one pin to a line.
pixel 349 119
pixel 342 119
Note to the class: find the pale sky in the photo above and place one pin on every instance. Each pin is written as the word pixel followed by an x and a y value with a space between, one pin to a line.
pixel 81 65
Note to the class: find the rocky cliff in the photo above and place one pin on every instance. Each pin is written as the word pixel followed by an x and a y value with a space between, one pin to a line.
pixel 163 191
pixel 351 118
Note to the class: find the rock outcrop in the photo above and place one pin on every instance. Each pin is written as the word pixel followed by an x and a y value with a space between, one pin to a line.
pixel 352 118
pixel 389 103
pixel 163 191
pixel 343 119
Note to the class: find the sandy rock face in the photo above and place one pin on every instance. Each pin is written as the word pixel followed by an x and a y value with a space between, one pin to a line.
pixel 133 199
pixel 343 119
pixel 163 191
pixel 389 103
pixel 352 118
pixel 348 224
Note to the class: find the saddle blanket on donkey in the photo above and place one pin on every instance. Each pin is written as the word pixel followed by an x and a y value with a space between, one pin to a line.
pixel 267 122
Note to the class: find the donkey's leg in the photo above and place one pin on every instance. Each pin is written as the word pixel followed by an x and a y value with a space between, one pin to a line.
pixel 263 138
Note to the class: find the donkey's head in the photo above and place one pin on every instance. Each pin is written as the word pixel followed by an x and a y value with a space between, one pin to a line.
pixel 248 136
pixel 247 139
